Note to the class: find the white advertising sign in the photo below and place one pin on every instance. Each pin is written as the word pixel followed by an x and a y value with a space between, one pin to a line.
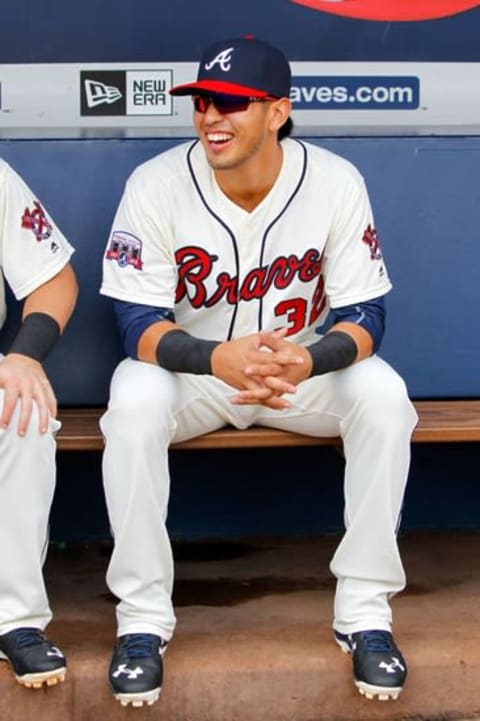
pixel 132 100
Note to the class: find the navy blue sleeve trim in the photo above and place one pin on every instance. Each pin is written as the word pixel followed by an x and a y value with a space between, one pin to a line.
pixel 370 315
pixel 133 319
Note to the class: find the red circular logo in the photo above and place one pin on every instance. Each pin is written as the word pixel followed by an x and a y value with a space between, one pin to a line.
pixel 393 10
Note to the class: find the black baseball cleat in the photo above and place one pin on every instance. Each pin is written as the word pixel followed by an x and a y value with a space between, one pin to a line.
pixel 33 658
pixel 379 669
pixel 136 668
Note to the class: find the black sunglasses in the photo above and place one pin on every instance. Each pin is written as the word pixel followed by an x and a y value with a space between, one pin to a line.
pixel 226 103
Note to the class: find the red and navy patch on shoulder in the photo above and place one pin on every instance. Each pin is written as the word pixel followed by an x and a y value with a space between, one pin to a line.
pixel 370 238
pixel 37 221
pixel 126 249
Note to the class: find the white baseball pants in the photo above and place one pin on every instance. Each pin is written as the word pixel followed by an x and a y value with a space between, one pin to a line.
pixel 367 404
pixel 27 484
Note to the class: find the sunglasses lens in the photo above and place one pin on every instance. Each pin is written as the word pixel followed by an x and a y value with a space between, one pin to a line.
pixel 200 103
pixel 230 103
pixel 224 103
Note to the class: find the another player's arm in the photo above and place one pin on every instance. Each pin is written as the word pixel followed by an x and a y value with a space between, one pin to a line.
pixel 46 312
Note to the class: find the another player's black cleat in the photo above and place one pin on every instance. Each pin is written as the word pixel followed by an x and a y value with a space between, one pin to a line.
pixel 33 658
pixel 136 668
pixel 379 669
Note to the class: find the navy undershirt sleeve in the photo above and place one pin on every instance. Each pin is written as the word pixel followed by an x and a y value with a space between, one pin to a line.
pixel 133 319
pixel 370 315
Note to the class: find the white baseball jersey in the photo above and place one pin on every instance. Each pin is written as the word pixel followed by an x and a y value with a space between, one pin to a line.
pixel 32 248
pixel 178 242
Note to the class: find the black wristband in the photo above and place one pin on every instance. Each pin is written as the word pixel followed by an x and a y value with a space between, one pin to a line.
pixel 36 336
pixel 179 351
pixel 334 351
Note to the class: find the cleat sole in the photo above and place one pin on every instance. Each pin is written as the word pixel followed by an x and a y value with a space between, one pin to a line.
pixel 137 700
pixel 378 693
pixel 37 680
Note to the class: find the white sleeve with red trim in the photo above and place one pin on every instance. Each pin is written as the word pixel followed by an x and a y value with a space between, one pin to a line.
pixel 32 248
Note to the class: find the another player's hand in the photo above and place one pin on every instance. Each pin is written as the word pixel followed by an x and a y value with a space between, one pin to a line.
pixel 23 380
pixel 292 363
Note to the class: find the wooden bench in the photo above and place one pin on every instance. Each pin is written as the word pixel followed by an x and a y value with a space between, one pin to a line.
pixel 440 421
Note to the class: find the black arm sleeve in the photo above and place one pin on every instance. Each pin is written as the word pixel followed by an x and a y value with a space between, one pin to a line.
pixel 334 351
pixel 36 336
pixel 180 352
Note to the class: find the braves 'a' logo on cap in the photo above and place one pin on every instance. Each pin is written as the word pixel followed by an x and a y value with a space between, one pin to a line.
pixel 224 59
pixel 393 10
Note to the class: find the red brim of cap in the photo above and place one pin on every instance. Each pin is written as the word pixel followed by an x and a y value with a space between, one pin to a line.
pixel 217 86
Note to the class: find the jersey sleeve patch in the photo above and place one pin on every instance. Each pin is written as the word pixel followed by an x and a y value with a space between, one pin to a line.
pixel 125 249
pixel 36 220
pixel 370 238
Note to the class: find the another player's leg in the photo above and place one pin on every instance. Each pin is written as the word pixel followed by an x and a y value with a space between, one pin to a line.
pixel 368 405
pixel 27 474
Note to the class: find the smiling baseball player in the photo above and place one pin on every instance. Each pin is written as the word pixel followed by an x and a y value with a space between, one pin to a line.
pixel 225 258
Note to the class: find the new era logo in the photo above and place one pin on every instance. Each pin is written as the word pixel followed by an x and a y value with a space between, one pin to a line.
pixel 102 92
pixel 126 92
pixel 98 93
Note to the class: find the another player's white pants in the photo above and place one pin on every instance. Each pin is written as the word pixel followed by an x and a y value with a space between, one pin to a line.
pixel 149 408
pixel 27 483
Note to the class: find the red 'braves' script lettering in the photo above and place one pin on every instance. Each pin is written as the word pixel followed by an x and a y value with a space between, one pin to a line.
pixel 195 266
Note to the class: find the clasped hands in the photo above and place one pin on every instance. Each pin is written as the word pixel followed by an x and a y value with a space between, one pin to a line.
pixel 262 367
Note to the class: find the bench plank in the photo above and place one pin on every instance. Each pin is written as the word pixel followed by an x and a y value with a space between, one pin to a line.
pixel 440 421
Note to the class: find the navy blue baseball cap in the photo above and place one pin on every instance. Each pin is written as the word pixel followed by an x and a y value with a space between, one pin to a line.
pixel 241 66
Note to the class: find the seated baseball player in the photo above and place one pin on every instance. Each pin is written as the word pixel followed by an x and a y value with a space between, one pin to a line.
pixel 225 258
pixel 34 259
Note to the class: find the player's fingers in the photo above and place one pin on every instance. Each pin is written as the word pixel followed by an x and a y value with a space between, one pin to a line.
pixel 279 386
pixel 9 401
pixel 252 383
pixel 287 358
pixel 274 382
pixel 264 396
pixel 51 400
pixel 26 404
pixel 273 340
pixel 277 403
pixel 272 335
pixel 254 396
pixel 262 370
pixel 274 365
pixel 46 403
